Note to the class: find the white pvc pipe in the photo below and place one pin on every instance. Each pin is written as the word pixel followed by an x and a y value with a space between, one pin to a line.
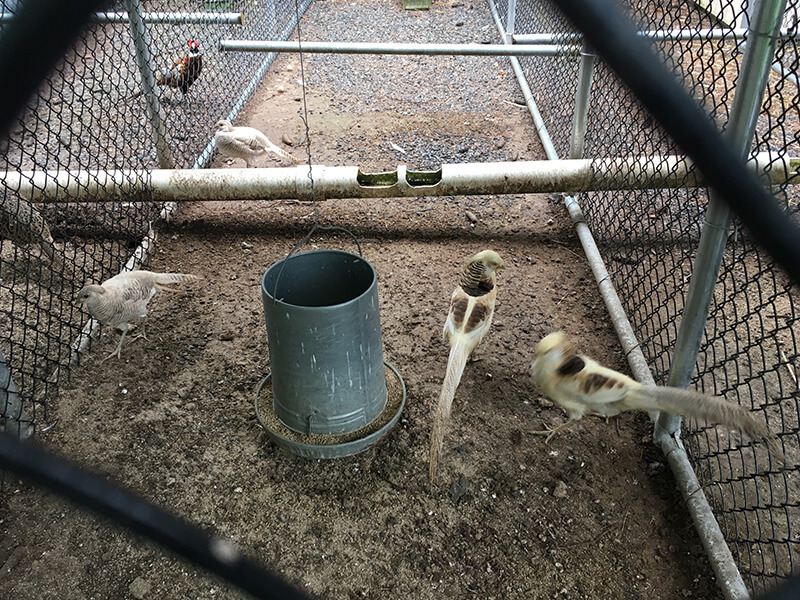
pixel 522 177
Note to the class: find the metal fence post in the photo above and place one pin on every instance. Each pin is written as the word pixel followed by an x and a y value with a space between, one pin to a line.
pixel 530 102
pixel 510 19
pixel 746 106
pixel 583 95
pixel 141 42
pixel 11 407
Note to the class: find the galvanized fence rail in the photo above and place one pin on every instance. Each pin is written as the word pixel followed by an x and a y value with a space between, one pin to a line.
pixel 102 108
pixel 667 258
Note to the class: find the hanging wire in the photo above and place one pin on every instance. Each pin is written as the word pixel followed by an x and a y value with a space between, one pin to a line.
pixel 304 117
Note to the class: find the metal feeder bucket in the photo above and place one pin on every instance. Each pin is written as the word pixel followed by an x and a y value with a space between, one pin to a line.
pixel 324 336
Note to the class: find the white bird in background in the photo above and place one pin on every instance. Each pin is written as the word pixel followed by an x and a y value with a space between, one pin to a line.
pixel 468 321
pixel 579 385
pixel 124 297
pixel 245 142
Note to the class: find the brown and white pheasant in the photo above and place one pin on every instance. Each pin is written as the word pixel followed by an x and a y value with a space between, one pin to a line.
pixel 23 225
pixel 468 321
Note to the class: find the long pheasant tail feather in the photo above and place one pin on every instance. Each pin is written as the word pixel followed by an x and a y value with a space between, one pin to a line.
pixel 711 409
pixel 281 152
pixel 165 281
pixel 456 362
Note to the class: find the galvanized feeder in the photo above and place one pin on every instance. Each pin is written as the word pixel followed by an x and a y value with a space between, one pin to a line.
pixel 331 392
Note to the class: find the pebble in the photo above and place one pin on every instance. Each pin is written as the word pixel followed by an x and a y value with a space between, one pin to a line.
pixel 560 489
pixel 459 488
pixel 140 588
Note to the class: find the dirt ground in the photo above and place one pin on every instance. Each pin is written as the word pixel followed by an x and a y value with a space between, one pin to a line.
pixel 593 514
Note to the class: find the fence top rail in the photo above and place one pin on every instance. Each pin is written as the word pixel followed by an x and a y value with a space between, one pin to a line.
pixel 171 18
pixel 654 34
pixel 474 49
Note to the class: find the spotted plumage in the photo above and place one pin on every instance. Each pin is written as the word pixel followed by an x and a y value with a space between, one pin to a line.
pixel 469 319
pixel 458 310
pixel 124 297
pixel 581 385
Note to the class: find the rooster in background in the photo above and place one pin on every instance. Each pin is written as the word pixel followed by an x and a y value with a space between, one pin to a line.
pixel 184 71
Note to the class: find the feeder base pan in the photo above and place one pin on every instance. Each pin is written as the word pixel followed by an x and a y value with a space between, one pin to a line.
pixel 331 446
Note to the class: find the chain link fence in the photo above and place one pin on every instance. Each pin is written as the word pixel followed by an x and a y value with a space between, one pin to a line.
pixel 101 109
pixel 649 241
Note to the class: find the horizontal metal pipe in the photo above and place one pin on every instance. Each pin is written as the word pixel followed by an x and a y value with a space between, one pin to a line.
pixel 171 18
pixel 524 177
pixel 398 48
pixel 655 34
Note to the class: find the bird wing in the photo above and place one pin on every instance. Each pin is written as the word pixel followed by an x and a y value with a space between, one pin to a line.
pixel 140 282
pixel 469 317
pixel 245 140
pixel 580 384
pixel 132 287
pixel 180 65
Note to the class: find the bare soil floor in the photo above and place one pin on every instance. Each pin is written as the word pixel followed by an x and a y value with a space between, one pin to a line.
pixel 593 514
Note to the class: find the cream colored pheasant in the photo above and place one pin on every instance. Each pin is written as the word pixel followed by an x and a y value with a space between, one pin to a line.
pixel 124 297
pixel 580 385
pixel 246 143
pixel 468 321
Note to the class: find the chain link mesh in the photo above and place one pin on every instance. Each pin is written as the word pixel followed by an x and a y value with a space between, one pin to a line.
pixel 648 239
pixel 93 112
pixel 551 78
